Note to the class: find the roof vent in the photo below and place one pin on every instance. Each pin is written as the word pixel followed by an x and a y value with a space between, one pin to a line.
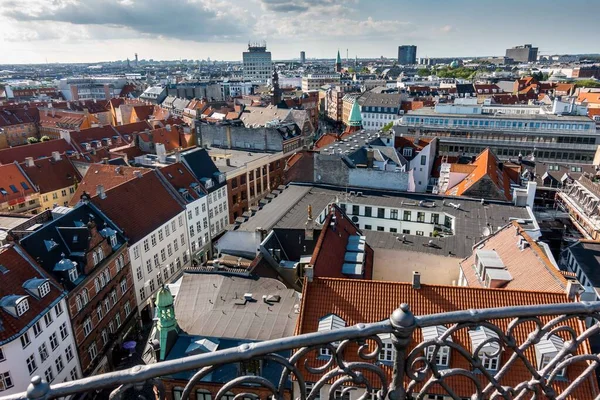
pixel 248 297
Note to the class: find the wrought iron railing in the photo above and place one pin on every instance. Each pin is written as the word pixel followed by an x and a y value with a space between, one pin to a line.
pixel 414 375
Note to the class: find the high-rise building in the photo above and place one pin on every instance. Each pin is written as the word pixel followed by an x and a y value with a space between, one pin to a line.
pixel 407 54
pixel 257 62
pixel 302 57
pixel 525 53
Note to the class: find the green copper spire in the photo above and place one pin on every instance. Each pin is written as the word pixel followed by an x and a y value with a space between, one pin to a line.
pixel 167 323
pixel 355 119
pixel 338 60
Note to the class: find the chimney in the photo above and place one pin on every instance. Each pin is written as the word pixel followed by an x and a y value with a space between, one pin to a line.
pixel 309 272
pixel 137 174
pixel 56 155
pixel 53 112
pixel 29 161
pixel 416 280
pixel 370 156
pixel 228 162
pixel 573 288
pixel 100 191
pixel 177 155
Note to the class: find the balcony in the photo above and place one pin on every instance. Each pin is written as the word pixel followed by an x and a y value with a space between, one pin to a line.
pixel 353 365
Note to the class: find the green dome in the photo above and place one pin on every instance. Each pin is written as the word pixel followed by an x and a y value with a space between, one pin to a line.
pixel 454 64
pixel 164 298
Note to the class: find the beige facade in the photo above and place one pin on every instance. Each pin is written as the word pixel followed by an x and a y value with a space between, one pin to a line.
pixel 59 197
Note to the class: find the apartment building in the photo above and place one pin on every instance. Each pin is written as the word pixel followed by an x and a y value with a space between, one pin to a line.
pixel 313 82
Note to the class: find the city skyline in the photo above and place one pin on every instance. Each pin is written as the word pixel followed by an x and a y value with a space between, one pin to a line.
pixel 86 31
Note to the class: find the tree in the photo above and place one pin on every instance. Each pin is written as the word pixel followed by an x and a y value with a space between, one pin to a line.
pixel 44 138
pixel 424 72
pixel 588 83
pixel 32 139
pixel 388 126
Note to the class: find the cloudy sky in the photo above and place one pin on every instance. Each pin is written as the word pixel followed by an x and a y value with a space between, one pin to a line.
pixel 33 31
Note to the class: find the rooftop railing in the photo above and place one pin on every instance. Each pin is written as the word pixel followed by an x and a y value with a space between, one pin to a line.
pixel 354 361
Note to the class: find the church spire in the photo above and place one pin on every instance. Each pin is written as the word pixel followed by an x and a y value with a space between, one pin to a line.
pixel 338 62
pixel 167 323
pixel 355 119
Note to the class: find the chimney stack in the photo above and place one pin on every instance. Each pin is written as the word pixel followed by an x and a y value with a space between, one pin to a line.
pixel 56 156
pixel 29 161
pixel 370 157
pixel 309 273
pixel 100 191
pixel 573 288
pixel 137 174
pixel 416 280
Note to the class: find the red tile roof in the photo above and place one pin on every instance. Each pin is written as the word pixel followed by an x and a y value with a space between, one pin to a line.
pixel 142 112
pixel 37 150
pixel 127 205
pixel 17 115
pixel 130 129
pixel 106 175
pixel 181 178
pixel 21 268
pixel 61 118
pixel 293 159
pixel 486 166
pixel 97 134
pixel 330 249
pixel 168 137
pixel 11 174
pixel 50 175
pixel 325 140
pixel 522 265
pixel 364 301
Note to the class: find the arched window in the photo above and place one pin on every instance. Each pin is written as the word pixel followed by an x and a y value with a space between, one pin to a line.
pixel 98 285
pixel 100 254
pixel 78 303
pixel 177 392
pixel 84 296
pixel 107 275
pixel 203 394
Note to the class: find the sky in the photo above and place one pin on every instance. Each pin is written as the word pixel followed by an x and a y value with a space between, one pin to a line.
pixel 39 31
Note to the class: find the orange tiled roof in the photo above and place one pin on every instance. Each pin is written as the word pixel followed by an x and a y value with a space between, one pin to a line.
pixel 294 158
pixel 486 165
pixel 36 150
pixel 11 174
pixel 521 264
pixel 325 140
pixel 107 175
pixel 589 97
pixel 364 301
pixel 50 175
pixel 462 168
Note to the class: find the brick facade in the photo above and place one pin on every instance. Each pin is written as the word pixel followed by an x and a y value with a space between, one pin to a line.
pixel 173 385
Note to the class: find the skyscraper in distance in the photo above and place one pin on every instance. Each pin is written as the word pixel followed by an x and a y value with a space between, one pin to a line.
pixel 407 54
pixel 257 62
pixel 302 57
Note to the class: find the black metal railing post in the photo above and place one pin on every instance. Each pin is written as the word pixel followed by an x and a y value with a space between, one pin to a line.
pixel 403 322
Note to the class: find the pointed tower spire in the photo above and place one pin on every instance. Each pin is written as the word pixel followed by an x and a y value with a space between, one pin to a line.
pixel 355 119
pixel 338 62
pixel 167 323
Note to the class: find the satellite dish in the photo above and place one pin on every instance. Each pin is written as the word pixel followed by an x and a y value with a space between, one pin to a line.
pixel 486 232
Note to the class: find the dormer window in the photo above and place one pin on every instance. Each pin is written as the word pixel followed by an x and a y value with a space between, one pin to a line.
pixel 208 183
pixel 329 323
pixel 442 356
pixel 546 349
pixel 44 289
pixel 73 274
pixel 489 354
pixel 38 287
pixel 50 244
pixel 387 353
pixel 113 240
pixel 221 178
pixel 22 306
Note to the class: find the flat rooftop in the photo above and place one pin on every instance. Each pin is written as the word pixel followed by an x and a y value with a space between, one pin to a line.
pixel 538 117
pixel 237 158
pixel 289 211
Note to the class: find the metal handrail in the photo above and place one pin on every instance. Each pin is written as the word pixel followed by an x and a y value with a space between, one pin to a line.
pixel 401 325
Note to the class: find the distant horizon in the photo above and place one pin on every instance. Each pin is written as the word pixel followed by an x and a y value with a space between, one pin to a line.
pixel 89 31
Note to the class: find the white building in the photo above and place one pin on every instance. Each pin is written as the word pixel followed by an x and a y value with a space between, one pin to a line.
pixel 37 338
pixel 379 109
pixel 258 66
pixel 235 88
pixel 312 82
pixel 90 88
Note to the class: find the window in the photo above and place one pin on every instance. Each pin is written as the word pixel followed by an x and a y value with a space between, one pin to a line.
pixel 156 262
pixel 73 274
pixel 43 350
pixel 173 226
pixel 435 218
pixel 48 318
pixel 113 296
pixel 420 216
pixel 368 227
pixel 142 294
pixel 406 231
pixel 69 353
pixel 99 312
pixel 64 331
pixel 163 255
pixel 180 221
pixel 118 319
pixel 368 211
pixel 381 213
pixel 169 250
pixel 168 231
pixel 394 214
pixel 87 326
pixel 59 364
pixel 74 374
pixel 380 228
pixel 177 392
pixel 84 296
pixel 441 358
pixel 123 286
pixel 92 351
pixel 113 241
pixel 53 341
pixel 136 252
pixel 6 381
pixel 127 308
pixel 202 394
pixel 160 236
pixel 406 216
pixel 58 309
pixel 386 353
pixel 148 268
pixel 420 233
pixel 97 285
pixel 153 239
pixel 48 374
pixel 31 364
pixel 95 256
pixel 423 160
pixel 104 337
pixel 22 307
pixel 182 239
pixel 37 328
pixel 146 245
pixel 488 362
pixel 44 289
pixel 2 356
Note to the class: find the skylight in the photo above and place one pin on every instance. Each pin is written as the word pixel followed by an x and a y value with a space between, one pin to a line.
pixel 14 189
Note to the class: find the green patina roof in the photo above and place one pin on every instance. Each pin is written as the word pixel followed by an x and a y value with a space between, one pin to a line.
pixel 355 119
pixel 338 60
pixel 164 297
